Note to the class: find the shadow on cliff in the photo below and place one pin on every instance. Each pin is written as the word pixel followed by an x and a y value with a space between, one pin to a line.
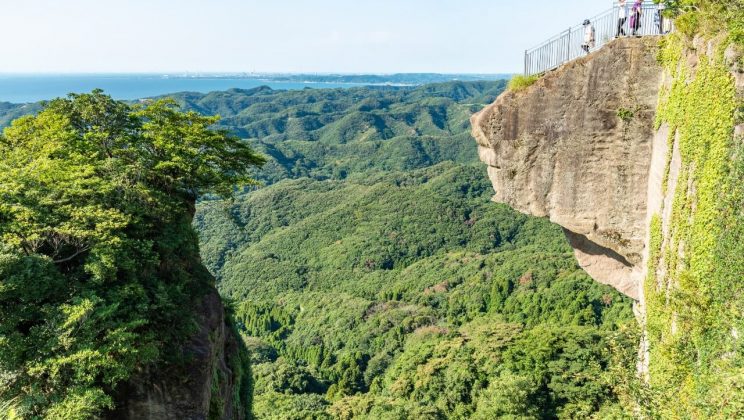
pixel 583 244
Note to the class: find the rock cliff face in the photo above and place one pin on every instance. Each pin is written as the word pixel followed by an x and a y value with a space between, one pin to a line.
pixel 206 387
pixel 577 147
pixel 207 375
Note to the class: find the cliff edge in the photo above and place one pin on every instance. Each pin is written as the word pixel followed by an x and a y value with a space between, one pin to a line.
pixel 576 147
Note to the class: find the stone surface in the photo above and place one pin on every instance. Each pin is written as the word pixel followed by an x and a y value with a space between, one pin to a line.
pixel 188 392
pixel 576 147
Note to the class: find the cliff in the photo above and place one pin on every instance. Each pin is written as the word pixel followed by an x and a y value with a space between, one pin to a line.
pixel 576 147
pixel 206 374
pixel 210 385
pixel 636 151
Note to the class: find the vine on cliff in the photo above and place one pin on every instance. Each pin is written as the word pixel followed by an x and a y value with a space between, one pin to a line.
pixel 694 299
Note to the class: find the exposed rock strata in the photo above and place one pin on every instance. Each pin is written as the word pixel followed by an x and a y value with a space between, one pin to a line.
pixel 576 147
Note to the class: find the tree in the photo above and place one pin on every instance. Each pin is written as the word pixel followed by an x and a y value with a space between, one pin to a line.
pixel 98 255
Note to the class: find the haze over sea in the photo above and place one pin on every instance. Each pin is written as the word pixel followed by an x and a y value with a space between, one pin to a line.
pixel 32 88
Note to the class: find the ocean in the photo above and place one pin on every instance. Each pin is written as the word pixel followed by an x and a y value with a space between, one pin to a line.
pixel 34 88
pixel 24 88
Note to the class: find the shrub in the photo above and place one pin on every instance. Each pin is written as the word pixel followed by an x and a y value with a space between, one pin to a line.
pixel 521 82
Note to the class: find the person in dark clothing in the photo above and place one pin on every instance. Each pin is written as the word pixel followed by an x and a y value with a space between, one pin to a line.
pixel 635 17
pixel 660 18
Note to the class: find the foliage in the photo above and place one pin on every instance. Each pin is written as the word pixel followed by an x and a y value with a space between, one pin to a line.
pixel 625 114
pixel 98 254
pixel 708 17
pixel 281 406
pixel 352 284
pixel 520 82
pixel 694 309
pixel 240 364
pixel 332 133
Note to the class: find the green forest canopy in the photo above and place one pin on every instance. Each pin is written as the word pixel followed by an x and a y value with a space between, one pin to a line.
pixel 347 288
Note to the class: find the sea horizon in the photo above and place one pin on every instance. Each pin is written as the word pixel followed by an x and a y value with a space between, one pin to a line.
pixel 20 88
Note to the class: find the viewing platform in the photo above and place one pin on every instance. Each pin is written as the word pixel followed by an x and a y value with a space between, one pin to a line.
pixel 570 44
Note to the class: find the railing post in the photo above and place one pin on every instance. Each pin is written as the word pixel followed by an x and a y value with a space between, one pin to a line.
pixel 526 67
pixel 568 46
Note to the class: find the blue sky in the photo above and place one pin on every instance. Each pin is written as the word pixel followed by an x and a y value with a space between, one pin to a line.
pixel 345 36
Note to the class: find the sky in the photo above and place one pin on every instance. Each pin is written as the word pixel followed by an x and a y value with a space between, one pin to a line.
pixel 292 36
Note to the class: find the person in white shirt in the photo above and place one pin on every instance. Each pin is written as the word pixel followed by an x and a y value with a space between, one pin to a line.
pixel 622 17
pixel 589 41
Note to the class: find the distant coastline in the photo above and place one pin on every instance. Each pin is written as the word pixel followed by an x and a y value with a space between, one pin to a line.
pixel 26 88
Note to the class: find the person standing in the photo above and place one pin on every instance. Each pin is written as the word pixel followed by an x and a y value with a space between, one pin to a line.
pixel 660 13
pixel 635 17
pixel 589 39
pixel 622 17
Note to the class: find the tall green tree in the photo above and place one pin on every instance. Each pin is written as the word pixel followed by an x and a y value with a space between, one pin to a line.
pixel 98 262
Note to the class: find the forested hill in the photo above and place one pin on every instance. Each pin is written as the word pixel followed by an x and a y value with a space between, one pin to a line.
pixel 9 112
pixel 330 133
pixel 410 294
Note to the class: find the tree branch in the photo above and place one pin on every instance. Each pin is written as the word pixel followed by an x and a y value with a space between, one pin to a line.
pixel 71 256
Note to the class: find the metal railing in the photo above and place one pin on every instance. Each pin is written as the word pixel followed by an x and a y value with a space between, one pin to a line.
pixel 568 45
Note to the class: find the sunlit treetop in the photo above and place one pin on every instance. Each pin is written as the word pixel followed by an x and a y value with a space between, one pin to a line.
pixel 79 176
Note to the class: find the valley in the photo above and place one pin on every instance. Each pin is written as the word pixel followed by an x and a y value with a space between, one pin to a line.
pixel 372 277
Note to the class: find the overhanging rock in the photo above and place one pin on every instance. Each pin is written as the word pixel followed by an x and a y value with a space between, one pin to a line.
pixel 576 147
